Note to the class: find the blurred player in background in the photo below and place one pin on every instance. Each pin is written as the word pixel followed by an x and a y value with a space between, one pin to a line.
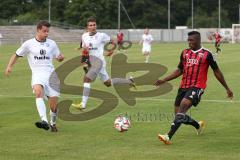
pixel 193 66
pixel 147 42
pixel 120 36
pixel 40 52
pixel 217 37
pixel 94 42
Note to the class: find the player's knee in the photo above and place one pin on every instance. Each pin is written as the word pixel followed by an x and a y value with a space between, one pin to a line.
pixel 87 80
pixel 38 91
pixel 179 118
pixel 38 94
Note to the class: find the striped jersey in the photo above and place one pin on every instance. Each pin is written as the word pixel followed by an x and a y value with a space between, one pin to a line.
pixel 120 36
pixel 194 66
pixel 218 37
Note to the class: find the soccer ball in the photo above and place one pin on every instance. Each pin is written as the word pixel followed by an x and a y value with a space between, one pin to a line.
pixel 121 123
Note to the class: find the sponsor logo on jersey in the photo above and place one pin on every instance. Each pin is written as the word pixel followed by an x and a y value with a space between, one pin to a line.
pixel 41 58
pixel 191 62
pixel 91 47
pixel 43 55
pixel 42 52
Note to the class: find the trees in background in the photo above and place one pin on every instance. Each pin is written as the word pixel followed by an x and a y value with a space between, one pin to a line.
pixel 143 13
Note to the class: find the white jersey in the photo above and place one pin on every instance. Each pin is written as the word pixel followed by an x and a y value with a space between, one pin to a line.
pixel 147 40
pixel 39 54
pixel 95 44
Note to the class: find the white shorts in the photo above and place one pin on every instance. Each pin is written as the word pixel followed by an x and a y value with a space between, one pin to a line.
pixel 50 83
pixel 103 75
pixel 146 49
pixel 98 68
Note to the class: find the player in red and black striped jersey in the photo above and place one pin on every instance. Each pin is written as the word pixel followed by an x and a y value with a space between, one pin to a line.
pixel 193 66
pixel 120 39
pixel 217 37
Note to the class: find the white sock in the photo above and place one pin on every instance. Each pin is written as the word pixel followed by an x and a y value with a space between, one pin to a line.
pixel 120 81
pixel 86 92
pixel 41 109
pixel 53 116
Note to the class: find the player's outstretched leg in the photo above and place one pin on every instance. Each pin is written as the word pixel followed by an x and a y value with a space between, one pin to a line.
pixel 130 81
pixel 132 84
pixel 179 119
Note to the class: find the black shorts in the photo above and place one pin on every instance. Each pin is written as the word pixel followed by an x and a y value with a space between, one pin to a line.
pixel 193 94
pixel 85 59
pixel 217 44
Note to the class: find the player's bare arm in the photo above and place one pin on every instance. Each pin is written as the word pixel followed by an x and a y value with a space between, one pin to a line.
pixel 113 46
pixel 172 76
pixel 218 74
pixel 11 62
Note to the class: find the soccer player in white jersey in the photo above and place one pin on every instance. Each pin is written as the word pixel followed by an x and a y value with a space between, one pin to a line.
pixel 146 41
pixel 94 42
pixel 40 52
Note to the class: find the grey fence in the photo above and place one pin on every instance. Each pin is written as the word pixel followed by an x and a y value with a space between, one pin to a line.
pixel 18 34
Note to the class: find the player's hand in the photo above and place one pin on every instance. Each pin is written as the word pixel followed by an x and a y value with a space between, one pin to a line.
pixel 229 94
pixel 159 82
pixel 60 58
pixel 8 70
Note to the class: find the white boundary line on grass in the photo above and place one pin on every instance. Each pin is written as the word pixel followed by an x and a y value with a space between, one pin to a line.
pixel 139 99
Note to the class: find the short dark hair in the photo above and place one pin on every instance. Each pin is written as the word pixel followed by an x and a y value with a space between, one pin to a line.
pixel 40 24
pixel 194 33
pixel 91 19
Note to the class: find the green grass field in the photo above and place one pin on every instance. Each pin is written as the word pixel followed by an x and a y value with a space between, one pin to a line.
pixel 97 139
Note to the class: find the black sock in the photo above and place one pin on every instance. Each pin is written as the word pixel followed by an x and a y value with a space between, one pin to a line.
pixel 190 121
pixel 174 128
pixel 85 69
pixel 178 120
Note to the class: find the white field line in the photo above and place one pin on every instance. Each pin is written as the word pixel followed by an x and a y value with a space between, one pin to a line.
pixel 138 99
